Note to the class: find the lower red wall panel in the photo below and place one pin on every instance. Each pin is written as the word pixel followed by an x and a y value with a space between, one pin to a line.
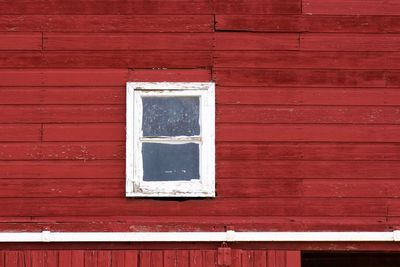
pixel 149 258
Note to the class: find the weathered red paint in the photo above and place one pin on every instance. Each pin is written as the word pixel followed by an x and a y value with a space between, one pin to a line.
pixel 148 258
pixel 307 123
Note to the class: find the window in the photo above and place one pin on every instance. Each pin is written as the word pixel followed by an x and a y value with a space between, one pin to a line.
pixel 170 144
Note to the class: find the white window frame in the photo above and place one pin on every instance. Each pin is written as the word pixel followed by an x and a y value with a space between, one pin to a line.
pixel 203 187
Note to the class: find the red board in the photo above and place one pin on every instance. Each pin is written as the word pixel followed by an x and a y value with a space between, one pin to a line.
pixel 308 60
pixel 21 41
pixel 353 7
pixel 304 78
pixel 107 23
pixel 106 59
pixel 309 23
pixel 125 41
pixel 83 7
pixel 307 121
pixel 349 42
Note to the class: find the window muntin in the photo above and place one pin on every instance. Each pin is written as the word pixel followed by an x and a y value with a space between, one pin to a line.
pixel 170 139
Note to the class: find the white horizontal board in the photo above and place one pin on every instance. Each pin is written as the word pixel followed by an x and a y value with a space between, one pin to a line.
pixel 229 236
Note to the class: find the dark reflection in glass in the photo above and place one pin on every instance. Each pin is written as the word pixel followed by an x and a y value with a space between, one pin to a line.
pixel 171 116
pixel 170 162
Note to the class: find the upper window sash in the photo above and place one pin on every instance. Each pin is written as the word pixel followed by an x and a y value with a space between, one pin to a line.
pixel 138 110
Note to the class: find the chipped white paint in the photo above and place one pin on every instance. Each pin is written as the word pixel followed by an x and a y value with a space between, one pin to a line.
pixel 170 86
pixel 229 236
pixel 203 187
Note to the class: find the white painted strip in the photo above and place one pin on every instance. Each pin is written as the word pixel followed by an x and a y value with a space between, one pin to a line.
pixel 314 236
pixel 170 85
pixel 229 236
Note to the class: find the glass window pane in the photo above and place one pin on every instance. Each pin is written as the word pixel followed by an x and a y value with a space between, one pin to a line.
pixel 171 116
pixel 170 162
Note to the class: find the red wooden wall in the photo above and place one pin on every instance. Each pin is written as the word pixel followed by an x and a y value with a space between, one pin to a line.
pixel 307 111
pixel 146 258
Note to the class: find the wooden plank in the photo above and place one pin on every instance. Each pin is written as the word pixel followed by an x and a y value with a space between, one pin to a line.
pixel 90 257
pixel 157 258
pixel 260 258
pixel 308 169
pixel 352 7
pixel 182 258
pixel 196 258
pixel 51 258
pixel 293 114
pixel 256 41
pixel 309 23
pixel 184 75
pixel 59 114
pixel 293 258
pixel 107 23
pixel 329 188
pixel 236 258
pixel 63 77
pixel 125 41
pixel 62 169
pixel 192 223
pixel 21 59
pixel 271 258
pixel 349 42
pixel 352 188
pixel 62 95
pixel 299 78
pixel 306 151
pixel 393 207
pixel 38 258
pixel 106 59
pixel 20 132
pixel 307 96
pixel 145 258
pixel 307 59
pixel 170 258
pixel 62 151
pixel 84 132
pixel 20 41
pixel 320 207
pixel 104 258
pixel 210 259
pixel 131 258
pixel 247 258
pixel 259 187
pixel 280 258
pixel 118 258
pixel 11 259
pixel 78 258
pixel 65 258
pixel 96 77
pixel 28 258
pixel 393 78
pixel 62 188
pixel 307 132
pixel 22 259
pixel 257 7
pixel 110 7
